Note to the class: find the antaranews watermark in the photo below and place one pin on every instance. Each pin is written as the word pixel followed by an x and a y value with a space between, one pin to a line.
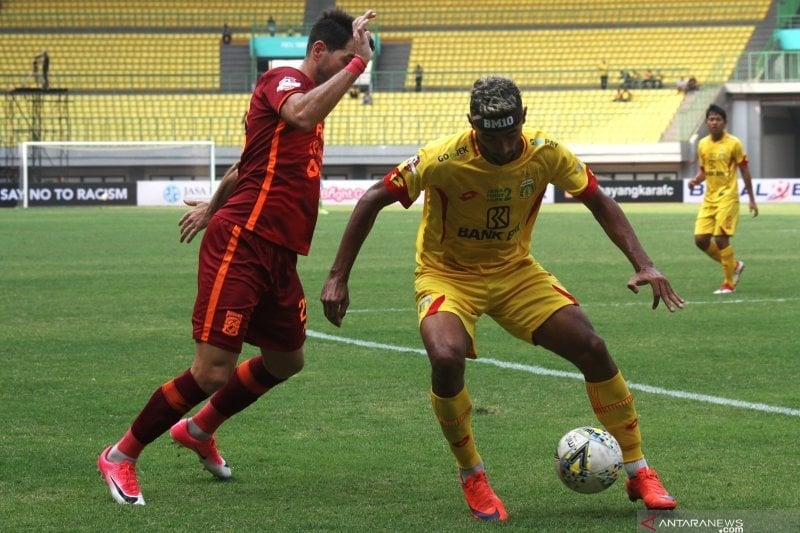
pixel 773 521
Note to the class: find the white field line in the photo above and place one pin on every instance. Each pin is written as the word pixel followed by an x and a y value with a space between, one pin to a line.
pixel 722 299
pixel 384 310
pixel 541 371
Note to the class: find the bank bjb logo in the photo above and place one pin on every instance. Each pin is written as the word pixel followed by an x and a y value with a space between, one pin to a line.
pixel 498 217
pixel 172 194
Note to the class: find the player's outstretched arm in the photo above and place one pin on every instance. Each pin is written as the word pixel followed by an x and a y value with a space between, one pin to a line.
pixel 616 225
pixel 196 219
pixel 335 294
pixel 305 110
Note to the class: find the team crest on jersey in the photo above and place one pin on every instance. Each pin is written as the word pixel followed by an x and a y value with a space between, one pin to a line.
pixel 526 187
pixel 287 84
pixel 233 322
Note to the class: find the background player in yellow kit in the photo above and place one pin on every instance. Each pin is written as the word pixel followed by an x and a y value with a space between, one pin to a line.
pixel 719 154
pixel 483 189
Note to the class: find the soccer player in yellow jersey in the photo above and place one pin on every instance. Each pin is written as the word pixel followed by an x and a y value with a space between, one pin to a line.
pixel 719 154
pixel 483 190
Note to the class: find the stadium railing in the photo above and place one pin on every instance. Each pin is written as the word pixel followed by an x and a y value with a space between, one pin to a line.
pixel 691 116
pixel 434 80
pixel 788 16
pixel 130 83
pixel 789 21
pixel 769 66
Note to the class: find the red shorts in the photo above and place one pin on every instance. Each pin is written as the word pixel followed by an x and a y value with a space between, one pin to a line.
pixel 248 291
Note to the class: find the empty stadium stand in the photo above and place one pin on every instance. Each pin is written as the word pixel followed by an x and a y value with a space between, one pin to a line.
pixel 504 14
pixel 115 61
pixel 576 117
pixel 151 71
pixel 569 57
pixel 149 14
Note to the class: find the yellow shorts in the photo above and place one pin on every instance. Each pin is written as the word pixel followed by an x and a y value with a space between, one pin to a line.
pixel 717 220
pixel 519 298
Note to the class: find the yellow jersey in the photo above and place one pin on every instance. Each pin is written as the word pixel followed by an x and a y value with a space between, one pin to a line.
pixel 478 216
pixel 719 160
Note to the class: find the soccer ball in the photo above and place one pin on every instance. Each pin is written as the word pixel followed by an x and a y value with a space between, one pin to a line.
pixel 588 460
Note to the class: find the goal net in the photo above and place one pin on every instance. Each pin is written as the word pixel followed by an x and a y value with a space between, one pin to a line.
pixel 115 173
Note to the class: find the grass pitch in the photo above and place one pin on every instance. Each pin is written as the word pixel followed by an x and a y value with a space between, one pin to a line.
pixel 95 309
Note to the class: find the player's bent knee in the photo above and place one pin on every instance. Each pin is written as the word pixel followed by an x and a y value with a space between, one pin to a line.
pixel 284 365
pixel 212 366
pixel 702 241
pixel 447 361
pixel 593 359
pixel 212 378
pixel 294 366
pixel 447 354
pixel 596 346
pixel 450 362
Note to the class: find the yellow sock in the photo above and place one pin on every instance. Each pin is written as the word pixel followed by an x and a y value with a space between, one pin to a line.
pixel 613 404
pixel 713 251
pixel 454 418
pixel 728 264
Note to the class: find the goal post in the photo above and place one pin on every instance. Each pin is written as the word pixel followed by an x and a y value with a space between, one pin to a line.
pixel 46 165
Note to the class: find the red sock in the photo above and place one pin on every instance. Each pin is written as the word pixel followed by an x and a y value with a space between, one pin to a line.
pixel 247 384
pixel 130 445
pixel 166 406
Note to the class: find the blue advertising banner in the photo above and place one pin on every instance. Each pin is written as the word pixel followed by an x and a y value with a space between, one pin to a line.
pixel 279 47
pixel 52 194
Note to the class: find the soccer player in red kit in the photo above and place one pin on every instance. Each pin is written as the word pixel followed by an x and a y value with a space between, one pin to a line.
pixel 259 219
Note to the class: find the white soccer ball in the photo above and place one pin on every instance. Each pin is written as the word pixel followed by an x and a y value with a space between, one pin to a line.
pixel 588 460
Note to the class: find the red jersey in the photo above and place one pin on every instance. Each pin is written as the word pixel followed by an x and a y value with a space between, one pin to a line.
pixel 277 193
